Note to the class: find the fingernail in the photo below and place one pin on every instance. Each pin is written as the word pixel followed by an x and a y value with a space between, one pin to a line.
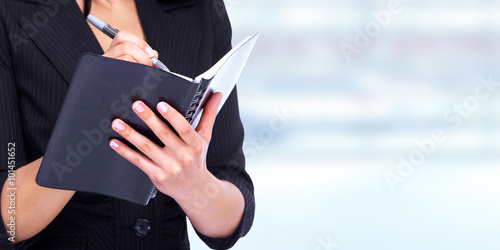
pixel 138 107
pixel 150 51
pixel 162 107
pixel 118 125
pixel 113 144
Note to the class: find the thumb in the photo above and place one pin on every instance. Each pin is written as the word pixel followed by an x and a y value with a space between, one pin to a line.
pixel 207 120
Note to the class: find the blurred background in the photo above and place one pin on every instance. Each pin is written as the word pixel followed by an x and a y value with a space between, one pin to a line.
pixel 387 142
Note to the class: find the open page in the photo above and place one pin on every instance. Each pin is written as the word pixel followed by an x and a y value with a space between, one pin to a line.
pixel 222 77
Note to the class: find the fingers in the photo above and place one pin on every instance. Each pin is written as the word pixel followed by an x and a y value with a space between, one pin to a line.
pixel 207 120
pixel 128 47
pixel 124 36
pixel 185 131
pixel 142 162
pixel 129 52
pixel 159 128
pixel 179 123
pixel 149 148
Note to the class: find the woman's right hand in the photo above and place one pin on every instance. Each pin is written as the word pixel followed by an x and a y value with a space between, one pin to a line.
pixel 128 47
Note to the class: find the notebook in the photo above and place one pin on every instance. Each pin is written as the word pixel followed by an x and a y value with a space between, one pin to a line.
pixel 78 156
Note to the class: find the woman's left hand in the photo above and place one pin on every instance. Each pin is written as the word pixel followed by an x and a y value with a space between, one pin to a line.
pixel 178 169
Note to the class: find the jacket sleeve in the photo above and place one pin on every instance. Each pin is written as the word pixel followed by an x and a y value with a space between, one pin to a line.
pixel 225 157
pixel 12 154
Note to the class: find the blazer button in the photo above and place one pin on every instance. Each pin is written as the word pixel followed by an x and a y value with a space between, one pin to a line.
pixel 142 227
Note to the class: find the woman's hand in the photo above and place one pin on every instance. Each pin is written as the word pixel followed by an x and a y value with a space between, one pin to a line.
pixel 128 47
pixel 178 169
pixel 214 207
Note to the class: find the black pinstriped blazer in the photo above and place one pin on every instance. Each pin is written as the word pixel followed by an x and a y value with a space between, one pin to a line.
pixel 40 44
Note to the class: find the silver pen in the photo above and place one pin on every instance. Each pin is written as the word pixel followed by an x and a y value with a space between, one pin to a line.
pixel 111 32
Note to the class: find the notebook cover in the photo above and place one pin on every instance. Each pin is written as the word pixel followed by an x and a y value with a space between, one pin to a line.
pixel 78 156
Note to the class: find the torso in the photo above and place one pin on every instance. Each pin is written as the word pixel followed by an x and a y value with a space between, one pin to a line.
pixel 94 221
pixel 121 14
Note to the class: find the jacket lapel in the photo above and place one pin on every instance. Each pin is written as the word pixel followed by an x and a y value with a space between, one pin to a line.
pixel 171 33
pixel 61 32
pixel 169 5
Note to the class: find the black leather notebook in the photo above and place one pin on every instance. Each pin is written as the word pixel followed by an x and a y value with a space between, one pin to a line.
pixel 78 156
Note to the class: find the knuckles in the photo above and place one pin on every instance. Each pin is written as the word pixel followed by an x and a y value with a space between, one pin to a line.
pixel 127 58
pixel 176 171
pixel 186 159
pixel 121 35
pixel 146 147
pixel 126 47
pixel 184 129
pixel 163 133
pixel 135 160
pixel 159 178
pixel 198 148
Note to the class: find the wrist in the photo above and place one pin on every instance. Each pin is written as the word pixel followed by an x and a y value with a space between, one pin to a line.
pixel 199 194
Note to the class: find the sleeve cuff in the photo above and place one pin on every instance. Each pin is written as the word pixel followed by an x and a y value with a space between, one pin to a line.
pixel 246 188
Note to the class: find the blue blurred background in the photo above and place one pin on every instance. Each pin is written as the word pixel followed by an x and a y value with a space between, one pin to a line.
pixel 327 134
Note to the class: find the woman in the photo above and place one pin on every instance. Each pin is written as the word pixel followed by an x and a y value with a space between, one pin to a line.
pixel 40 44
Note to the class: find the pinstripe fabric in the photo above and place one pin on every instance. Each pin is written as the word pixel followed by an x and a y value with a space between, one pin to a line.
pixel 40 44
